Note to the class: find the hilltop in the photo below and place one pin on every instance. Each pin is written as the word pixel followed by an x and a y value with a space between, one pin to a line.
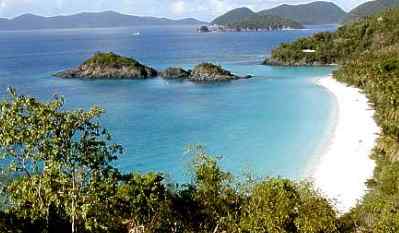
pixel 369 8
pixel 233 16
pixel 311 13
pixel 289 15
pixel 109 66
pixel 245 19
pixel 88 20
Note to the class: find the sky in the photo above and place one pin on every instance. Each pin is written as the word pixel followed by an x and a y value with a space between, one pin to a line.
pixel 200 9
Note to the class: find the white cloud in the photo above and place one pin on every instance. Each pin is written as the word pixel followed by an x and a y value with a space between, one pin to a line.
pixel 178 7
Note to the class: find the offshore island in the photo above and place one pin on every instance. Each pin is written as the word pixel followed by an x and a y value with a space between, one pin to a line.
pixel 113 66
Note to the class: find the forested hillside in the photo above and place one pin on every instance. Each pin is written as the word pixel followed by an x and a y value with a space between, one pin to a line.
pixel 265 22
pixel 311 13
pixel 368 56
pixel 369 8
pixel 233 16
pixel 348 42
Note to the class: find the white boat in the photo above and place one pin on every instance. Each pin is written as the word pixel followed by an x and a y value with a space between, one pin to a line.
pixel 136 34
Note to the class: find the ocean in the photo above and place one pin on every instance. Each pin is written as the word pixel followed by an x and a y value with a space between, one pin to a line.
pixel 272 125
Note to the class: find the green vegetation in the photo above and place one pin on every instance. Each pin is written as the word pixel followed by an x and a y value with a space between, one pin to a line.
pixel 109 66
pixel 61 178
pixel 244 18
pixel 264 22
pixel 318 12
pixel 210 69
pixel 368 56
pixel 233 16
pixel 377 72
pixel 369 8
pixel 347 43
pixel 111 59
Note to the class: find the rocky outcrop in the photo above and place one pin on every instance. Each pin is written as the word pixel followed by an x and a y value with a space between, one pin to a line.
pixel 303 62
pixel 175 73
pixel 205 72
pixel 210 72
pixel 109 66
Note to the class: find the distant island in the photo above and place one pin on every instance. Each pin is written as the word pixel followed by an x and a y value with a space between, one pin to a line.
pixel 113 66
pixel 294 16
pixel 243 19
pixel 88 20
pixel 278 18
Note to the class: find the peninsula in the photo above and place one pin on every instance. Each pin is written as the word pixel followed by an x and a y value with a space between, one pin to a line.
pixel 367 53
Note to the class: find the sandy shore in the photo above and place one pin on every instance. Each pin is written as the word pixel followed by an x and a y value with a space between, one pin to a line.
pixel 344 165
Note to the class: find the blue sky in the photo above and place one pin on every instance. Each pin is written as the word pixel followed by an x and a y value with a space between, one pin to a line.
pixel 201 9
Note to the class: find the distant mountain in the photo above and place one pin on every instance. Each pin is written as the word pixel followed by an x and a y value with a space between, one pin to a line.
pixel 233 16
pixel 370 8
pixel 88 20
pixel 312 13
pixel 245 19
pixel 264 22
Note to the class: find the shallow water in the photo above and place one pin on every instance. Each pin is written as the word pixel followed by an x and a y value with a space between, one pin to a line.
pixel 271 124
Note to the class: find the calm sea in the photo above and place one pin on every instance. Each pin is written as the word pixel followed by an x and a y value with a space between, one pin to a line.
pixel 272 124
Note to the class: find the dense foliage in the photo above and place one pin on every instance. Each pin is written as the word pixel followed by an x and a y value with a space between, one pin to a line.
pixel 58 176
pixel 348 42
pixel 264 22
pixel 369 8
pixel 234 15
pixel 368 54
pixel 111 59
pixel 318 12
pixel 244 18
pixel 377 72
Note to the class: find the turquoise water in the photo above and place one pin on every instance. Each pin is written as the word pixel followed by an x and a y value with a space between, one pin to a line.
pixel 272 124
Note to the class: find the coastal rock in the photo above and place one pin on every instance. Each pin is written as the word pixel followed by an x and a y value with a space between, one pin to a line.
pixel 303 62
pixel 109 66
pixel 175 73
pixel 203 29
pixel 210 72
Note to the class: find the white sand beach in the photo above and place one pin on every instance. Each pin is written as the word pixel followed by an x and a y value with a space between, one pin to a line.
pixel 344 165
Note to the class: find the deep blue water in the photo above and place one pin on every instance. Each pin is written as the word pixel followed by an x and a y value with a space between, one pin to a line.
pixel 272 124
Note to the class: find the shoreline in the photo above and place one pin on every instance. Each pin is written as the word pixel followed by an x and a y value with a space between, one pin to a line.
pixel 344 164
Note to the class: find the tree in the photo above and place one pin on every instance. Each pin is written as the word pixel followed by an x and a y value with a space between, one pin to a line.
pixel 278 205
pixel 214 192
pixel 61 160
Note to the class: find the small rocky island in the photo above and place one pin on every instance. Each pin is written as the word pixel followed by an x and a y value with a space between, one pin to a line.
pixel 113 66
pixel 109 66
pixel 205 72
